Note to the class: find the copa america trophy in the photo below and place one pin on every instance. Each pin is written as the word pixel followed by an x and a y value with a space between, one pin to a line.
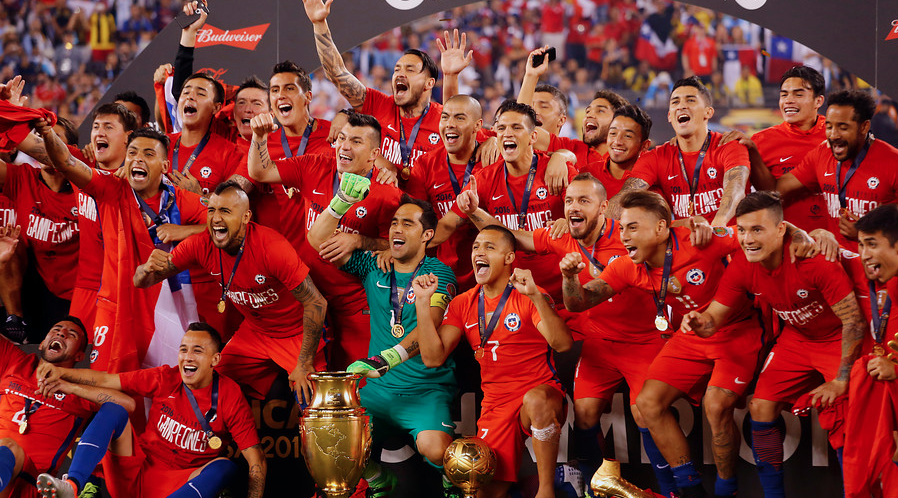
pixel 335 433
pixel 469 464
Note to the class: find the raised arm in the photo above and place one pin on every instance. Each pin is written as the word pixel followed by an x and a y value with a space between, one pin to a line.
pixel 330 57
pixel 581 297
pixel 528 88
pixel 158 267
pixel 314 308
pixel 853 328
pixel 453 60
pixel 551 326
pixel 734 183
pixel 61 158
pixel 630 185
pixel 259 164
pixel 353 189
pixel 435 346
pixel 707 323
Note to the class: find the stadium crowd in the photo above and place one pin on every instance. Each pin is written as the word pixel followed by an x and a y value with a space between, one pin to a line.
pixel 252 233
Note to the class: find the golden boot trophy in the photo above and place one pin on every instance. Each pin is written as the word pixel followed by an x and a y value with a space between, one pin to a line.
pixel 469 464
pixel 335 433
pixel 607 483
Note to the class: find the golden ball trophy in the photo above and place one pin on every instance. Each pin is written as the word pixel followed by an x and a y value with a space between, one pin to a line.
pixel 335 433
pixel 607 483
pixel 469 464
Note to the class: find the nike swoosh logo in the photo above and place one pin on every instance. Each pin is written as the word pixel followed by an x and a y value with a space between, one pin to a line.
pixel 757 293
pixel 666 465
pixel 739 381
pixel 438 186
pixel 382 286
pixel 672 177
pixel 828 174
pixel 784 159
pixel 498 197
pixel 171 397
pixel 215 274
pixel 469 325
pixel 317 192
pixel 390 126
pixel 446 425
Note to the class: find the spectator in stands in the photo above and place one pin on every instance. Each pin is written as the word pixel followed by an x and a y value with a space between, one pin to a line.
pixel 748 91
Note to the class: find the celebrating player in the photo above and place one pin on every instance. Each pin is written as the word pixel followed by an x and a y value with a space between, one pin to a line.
pixel 262 276
pixel 512 326
pixel 35 429
pixel 823 328
pixel 852 168
pixel 412 398
pixel 696 175
pixel 195 412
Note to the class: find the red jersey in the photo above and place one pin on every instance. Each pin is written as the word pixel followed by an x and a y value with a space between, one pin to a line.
pixel 90 248
pixel 660 167
pixel 315 179
pixel 602 171
pixel 801 294
pixel 614 319
pixel 7 211
pixel 586 155
pixel 516 356
pixel 261 285
pixel 854 267
pixel 174 437
pixel 274 203
pixel 700 54
pixel 782 147
pixel 53 422
pixel 874 182
pixel 384 108
pixel 695 274
pixel 431 181
pixel 501 195
pixel 214 164
pixel 49 226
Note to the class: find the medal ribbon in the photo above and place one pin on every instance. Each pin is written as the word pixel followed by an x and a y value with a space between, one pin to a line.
pixel 405 150
pixel 522 213
pixel 302 144
pixel 591 255
pixel 880 319
pixel 851 171
pixel 661 295
pixel 210 415
pixel 196 152
pixel 162 216
pixel 456 188
pixel 225 288
pixel 29 410
pixel 487 330
pixel 693 186
pixel 394 294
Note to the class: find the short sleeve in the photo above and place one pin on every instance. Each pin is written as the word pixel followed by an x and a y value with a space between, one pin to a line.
pixel 375 102
pixel 542 243
pixel 646 168
pixel 360 264
pixel 733 155
pixel 284 264
pixel 103 186
pixel 184 255
pixel 732 288
pixel 294 170
pixel 806 171
pixel 147 382
pixel 619 274
pixel 417 184
pixel 724 242
pixel 830 278
pixel 193 210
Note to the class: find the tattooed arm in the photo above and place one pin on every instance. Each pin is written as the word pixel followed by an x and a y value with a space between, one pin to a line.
pixel 259 164
pixel 244 182
pixel 48 373
pixel 853 327
pixel 630 185
pixel 581 297
pixel 96 395
pixel 330 57
pixel 707 323
pixel 59 157
pixel 157 268
pixel 258 469
pixel 734 182
pixel 313 309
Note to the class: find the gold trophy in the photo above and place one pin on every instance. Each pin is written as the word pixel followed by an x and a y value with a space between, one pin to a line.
pixel 893 345
pixel 469 464
pixel 335 433
pixel 607 482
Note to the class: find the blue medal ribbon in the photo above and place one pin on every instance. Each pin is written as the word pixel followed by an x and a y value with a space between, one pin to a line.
pixel 405 150
pixel 302 144
pixel 486 330
pixel 525 202
pixel 842 186
pixel 693 186
pixel 196 152
pixel 210 415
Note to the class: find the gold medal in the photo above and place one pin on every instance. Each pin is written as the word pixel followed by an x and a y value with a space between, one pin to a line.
pixel 397 330
pixel 878 350
pixel 221 306
pixel 406 173
pixel 290 191
pixel 478 354
pixel 23 426
pixel 215 442
pixel 661 323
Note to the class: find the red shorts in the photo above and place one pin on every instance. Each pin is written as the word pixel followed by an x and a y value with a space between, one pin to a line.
pixel 252 359
pixel 135 477
pixel 604 364
pixel 84 306
pixel 796 366
pixel 691 363
pixel 579 323
pixel 500 427
pixel 349 334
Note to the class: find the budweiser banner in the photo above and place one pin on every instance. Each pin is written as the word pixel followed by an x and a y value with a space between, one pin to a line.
pixel 246 38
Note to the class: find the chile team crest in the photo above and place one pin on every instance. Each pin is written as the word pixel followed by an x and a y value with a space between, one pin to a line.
pixel 695 276
pixel 410 295
pixel 512 322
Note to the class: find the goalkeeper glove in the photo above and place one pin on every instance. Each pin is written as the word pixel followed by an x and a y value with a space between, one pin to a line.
pixel 379 364
pixel 353 188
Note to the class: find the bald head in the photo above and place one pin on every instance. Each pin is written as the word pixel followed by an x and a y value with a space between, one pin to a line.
pixel 470 104
pixel 459 122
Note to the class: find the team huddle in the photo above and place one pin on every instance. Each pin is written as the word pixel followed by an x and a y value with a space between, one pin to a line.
pixel 264 241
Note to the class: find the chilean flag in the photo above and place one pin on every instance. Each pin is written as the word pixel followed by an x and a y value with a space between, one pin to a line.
pixel 784 55
pixel 660 54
